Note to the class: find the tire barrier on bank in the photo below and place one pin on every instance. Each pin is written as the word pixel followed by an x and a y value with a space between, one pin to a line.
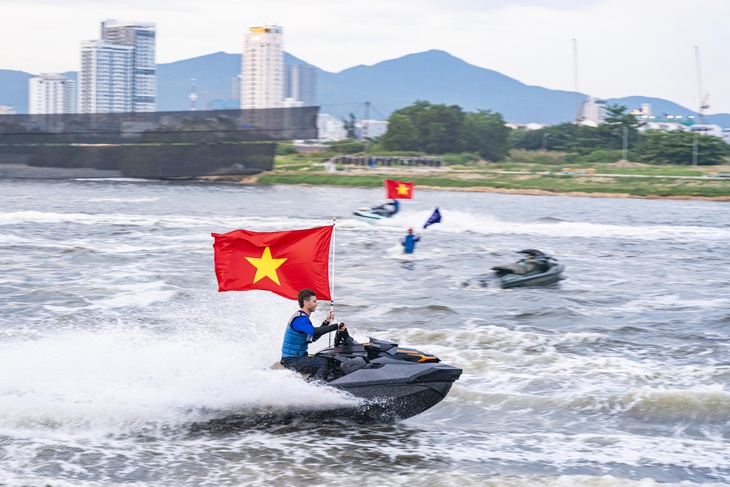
pixel 388 161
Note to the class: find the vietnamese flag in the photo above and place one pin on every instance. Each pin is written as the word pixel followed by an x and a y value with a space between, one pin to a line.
pixel 398 190
pixel 280 262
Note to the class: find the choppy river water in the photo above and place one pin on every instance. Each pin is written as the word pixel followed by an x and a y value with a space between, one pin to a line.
pixel 114 340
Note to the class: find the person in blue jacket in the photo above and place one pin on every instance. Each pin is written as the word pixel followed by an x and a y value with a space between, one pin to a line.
pixel 409 241
pixel 300 333
pixel 395 206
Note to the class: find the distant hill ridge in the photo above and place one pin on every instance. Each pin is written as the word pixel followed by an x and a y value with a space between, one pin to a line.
pixel 435 76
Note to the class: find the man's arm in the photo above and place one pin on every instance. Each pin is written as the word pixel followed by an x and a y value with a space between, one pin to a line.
pixel 322 330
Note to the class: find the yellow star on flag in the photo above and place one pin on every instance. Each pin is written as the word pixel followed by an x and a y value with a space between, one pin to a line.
pixel 402 189
pixel 266 266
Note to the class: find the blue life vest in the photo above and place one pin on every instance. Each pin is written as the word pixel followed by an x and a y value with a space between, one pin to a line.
pixel 409 243
pixel 295 342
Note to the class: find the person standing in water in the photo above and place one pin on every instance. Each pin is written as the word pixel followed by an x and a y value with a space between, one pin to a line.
pixel 409 241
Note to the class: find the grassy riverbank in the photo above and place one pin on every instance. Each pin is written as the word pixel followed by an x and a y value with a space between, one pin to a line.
pixel 622 179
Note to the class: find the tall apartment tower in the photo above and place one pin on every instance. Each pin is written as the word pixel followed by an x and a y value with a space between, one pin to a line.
pixel 300 83
pixel 105 78
pixel 262 68
pixel 118 72
pixel 141 36
pixel 51 93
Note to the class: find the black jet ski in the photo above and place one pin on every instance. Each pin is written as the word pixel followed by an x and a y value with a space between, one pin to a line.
pixel 535 269
pixel 396 382
pixel 393 382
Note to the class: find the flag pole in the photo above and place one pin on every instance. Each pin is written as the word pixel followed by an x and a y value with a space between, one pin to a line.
pixel 332 281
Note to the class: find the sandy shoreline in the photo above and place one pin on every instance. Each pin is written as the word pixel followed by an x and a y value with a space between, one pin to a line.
pixel 484 189
pixel 539 192
pixel 21 171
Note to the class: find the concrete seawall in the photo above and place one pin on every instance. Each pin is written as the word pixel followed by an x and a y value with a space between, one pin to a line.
pixel 22 171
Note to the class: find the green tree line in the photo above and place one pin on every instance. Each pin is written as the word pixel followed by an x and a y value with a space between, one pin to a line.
pixel 440 129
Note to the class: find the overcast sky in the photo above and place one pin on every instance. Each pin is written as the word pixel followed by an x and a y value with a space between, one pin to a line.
pixel 624 47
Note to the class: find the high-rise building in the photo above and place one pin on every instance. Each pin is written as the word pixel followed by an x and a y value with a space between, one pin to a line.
pixel 262 68
pixel 300 83
pixel 594 110
pixel 118 72
pixel 105 78
pixel 51 93
pixel 141 36
pixel 330 127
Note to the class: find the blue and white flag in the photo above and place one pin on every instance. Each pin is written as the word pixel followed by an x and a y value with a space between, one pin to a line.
pixel 434 218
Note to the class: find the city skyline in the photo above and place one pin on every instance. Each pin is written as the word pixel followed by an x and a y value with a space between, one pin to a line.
pixel 623 47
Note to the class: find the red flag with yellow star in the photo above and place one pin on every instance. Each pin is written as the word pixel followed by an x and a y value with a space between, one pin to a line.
pixel 280 262
pixel 398 190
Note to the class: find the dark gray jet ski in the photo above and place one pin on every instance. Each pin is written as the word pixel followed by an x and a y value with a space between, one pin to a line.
pixel 393 382
pixel 535 269
pixel 396 382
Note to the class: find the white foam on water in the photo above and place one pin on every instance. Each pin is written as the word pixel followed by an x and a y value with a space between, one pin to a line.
pixel 452 222
pixel 531 369
pixel 670 302
pixel 202 357
pixel 461 222
pixel 214 224
pixel 137 295
pixel 114 379
pixel 145 199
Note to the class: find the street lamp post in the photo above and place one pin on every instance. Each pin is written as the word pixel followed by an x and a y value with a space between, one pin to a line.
pixel 544 141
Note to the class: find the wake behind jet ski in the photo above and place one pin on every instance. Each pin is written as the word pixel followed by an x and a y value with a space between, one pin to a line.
pixel 535 269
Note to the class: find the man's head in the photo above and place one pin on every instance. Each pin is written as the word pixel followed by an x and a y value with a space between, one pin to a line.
pixel 410 230
pixel 307 298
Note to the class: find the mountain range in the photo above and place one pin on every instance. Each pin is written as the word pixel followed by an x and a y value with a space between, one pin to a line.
pixel 374 91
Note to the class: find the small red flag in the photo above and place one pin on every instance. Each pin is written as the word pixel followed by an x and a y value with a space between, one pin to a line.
pixel 280 262
pixel 398 190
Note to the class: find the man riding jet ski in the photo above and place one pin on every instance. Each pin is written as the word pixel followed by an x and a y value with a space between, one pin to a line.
pixel 375 213
pixel 402 382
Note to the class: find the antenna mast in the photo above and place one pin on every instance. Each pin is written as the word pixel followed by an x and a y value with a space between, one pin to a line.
pixel 193 96
pixel 365 122
pixel 702 95
pixel 578 115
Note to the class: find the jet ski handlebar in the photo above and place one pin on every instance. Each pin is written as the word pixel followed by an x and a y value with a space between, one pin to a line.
pixel 342 336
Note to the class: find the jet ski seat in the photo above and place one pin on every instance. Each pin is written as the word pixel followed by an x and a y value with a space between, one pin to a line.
pixel 522 267
pixel 510 269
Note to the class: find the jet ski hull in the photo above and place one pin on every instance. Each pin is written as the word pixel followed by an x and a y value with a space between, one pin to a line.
pixel 372 214
pixel 396 383
pixel 551 275
pixel 367 216
pixel 404 394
